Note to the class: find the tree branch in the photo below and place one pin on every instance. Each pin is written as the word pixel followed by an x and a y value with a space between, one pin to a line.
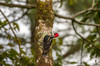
pixel 20 17
pixel 19 44
pixel 93 3
pixel 60 16
pixel 82 12
pixel 73 18
pixel 16 5
pixel 8 23
pixel 83 37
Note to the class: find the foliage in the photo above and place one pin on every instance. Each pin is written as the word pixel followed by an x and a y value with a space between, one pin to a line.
pixel 74 6
pixel 56 46
pixel 92 42
pixel 10 53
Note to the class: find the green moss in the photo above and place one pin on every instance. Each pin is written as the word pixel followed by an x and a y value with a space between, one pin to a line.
pixel 44 12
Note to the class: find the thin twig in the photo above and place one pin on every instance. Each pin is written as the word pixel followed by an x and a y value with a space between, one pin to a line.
pixel 19 17
pixel 84 11
pixel 83 37
pixel 60 16
pixel 79 13
pixel 8 23
pixel 16 5
pixel 83 23
pixel 93 3
pixel 13 33
pixel 71 18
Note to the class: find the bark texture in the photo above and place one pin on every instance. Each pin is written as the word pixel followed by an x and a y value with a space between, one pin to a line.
pixel 44 24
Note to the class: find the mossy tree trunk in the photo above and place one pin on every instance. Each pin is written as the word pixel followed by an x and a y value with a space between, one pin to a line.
pixel 44 24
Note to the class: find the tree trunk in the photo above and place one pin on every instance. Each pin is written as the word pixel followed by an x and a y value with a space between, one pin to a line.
pixel 44 24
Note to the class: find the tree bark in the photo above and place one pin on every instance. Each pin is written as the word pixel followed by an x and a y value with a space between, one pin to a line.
pixel 44 24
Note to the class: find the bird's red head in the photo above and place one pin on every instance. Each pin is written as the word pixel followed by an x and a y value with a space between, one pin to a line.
pixel 56 34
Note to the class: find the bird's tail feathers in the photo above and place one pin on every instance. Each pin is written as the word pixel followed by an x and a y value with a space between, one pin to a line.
pixel 45 52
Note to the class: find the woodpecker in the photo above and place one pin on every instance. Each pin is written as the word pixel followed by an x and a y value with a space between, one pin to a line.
pixel 47 41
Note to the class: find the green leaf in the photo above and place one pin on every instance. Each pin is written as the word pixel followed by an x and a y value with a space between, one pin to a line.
pixel 60 41
pixel 58 55
pixel 8 36
pixel 84 19
pixel 4 23
pixel 13 52
pixel 87 45
pixel 97 17
pixel 7 65
pixel 22 51
pixel 0 23
pixel 97 45
pixel 25 60
pixel 72 62
pixel 61 3
pixel 56 63
pixel 1 47
pixel 70 2
pixel 92 36
pixel 5 54
pixel 10 44
pixel 16 26
pixel 7 1
pixel 89 49
pixel 92 54
pixel 86 64
pixel 54 41
pixel 3 62
pixel 95 53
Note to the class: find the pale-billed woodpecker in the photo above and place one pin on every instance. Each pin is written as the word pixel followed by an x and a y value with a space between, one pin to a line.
pixel 47 41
